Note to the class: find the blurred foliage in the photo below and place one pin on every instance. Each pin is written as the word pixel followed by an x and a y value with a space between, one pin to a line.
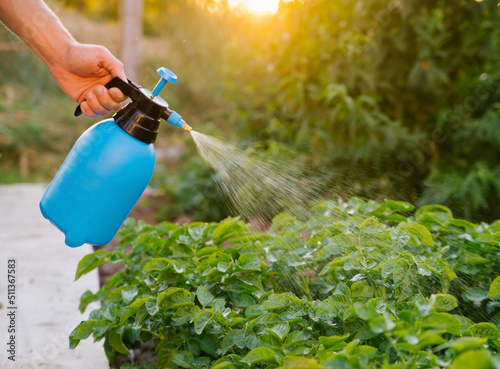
pixel 405 92
pixel 396 99
pixel 34 130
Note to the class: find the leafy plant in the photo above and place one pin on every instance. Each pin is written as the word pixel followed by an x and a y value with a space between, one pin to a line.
pixel 355 285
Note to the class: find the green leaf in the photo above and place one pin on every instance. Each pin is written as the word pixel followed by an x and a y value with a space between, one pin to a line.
pixel 110 312
pixel 208 344
pixel 443 302
pixel 442 321
pixel 283 220
pixel 332 341
pixel 175 297
pixel 298 362
pixel 487 330
pixel 361 289
pixel 219 304
pixel 440 211
pixel 83 330
pixel 152 306
pixel 227 362
pixel 400 271
pixel 403 276
pixel 249 262
pixel 388 267
pixel 165 357
pixel 201 320
pixel 131 310
pixel 251 340
pixel 464 344
pixel 169 292
pixel 204 251
pixel 388 207
pixel 128 294
pixel 228 229
pixel 473 359
pixel 116 341
pixel 95 314
pixel 243 301
pixel 428 339
pixel 87 298
pixel 184 359
pixel 419 234
pixel 156 264
pixel 327 251
pixel 227 342
pixel 100 328
pixel 494 292
pixel 336 263
pixel 251 281
pixel 366 312
pixel 205 297
pixel 73 343
pixel 270 340
pixel 260 355
pixel 239 338
pixel 196 230
pixel 184 314
pixel 281 330
pixel 276 302
pixel 475 294
pixel 371 227
pixel 90 262
pixel 223 266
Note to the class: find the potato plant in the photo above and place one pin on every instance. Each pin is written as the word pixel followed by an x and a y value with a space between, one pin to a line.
pixel 350 285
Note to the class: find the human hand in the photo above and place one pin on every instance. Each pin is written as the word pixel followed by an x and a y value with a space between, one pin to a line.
pixel 82 74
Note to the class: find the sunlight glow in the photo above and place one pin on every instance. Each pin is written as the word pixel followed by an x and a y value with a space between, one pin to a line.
pixel 259 6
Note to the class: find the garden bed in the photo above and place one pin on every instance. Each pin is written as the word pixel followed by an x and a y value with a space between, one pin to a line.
pixel 357 284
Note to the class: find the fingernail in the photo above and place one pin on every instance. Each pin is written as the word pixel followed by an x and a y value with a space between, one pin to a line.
pixel 90 95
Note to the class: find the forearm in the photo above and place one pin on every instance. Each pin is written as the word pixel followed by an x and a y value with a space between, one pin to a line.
pixel 38 27
pixel 80 70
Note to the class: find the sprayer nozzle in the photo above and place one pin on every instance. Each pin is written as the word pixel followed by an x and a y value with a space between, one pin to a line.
pixel 187 127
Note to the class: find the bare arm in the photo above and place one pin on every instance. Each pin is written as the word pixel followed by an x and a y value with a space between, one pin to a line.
pixel 80 70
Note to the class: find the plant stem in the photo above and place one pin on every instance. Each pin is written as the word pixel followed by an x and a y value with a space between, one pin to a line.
pixel 360 250
pixel 157 335
pixel 306 286
pixel 398 353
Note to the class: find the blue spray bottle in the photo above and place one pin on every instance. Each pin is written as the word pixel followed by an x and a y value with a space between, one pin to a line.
pixel 109 167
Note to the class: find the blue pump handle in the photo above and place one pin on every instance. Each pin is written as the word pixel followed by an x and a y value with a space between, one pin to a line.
pixel 166 76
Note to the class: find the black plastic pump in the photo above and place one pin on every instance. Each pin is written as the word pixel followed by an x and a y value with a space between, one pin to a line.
pixel 141 116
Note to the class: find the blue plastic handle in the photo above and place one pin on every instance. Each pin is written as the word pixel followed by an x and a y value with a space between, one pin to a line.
pixel 166 76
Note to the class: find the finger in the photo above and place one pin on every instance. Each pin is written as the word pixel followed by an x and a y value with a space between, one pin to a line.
pixel 95 105
pixel 105 99
pixel 111 64
pixel 117 94
pixel 87 111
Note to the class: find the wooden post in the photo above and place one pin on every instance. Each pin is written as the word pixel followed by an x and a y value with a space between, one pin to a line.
pixel 132 13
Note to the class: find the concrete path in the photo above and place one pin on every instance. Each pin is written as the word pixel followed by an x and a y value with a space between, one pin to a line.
pixel 47 297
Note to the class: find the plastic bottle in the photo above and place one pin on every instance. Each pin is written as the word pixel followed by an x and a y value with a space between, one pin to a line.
pixel 109 167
